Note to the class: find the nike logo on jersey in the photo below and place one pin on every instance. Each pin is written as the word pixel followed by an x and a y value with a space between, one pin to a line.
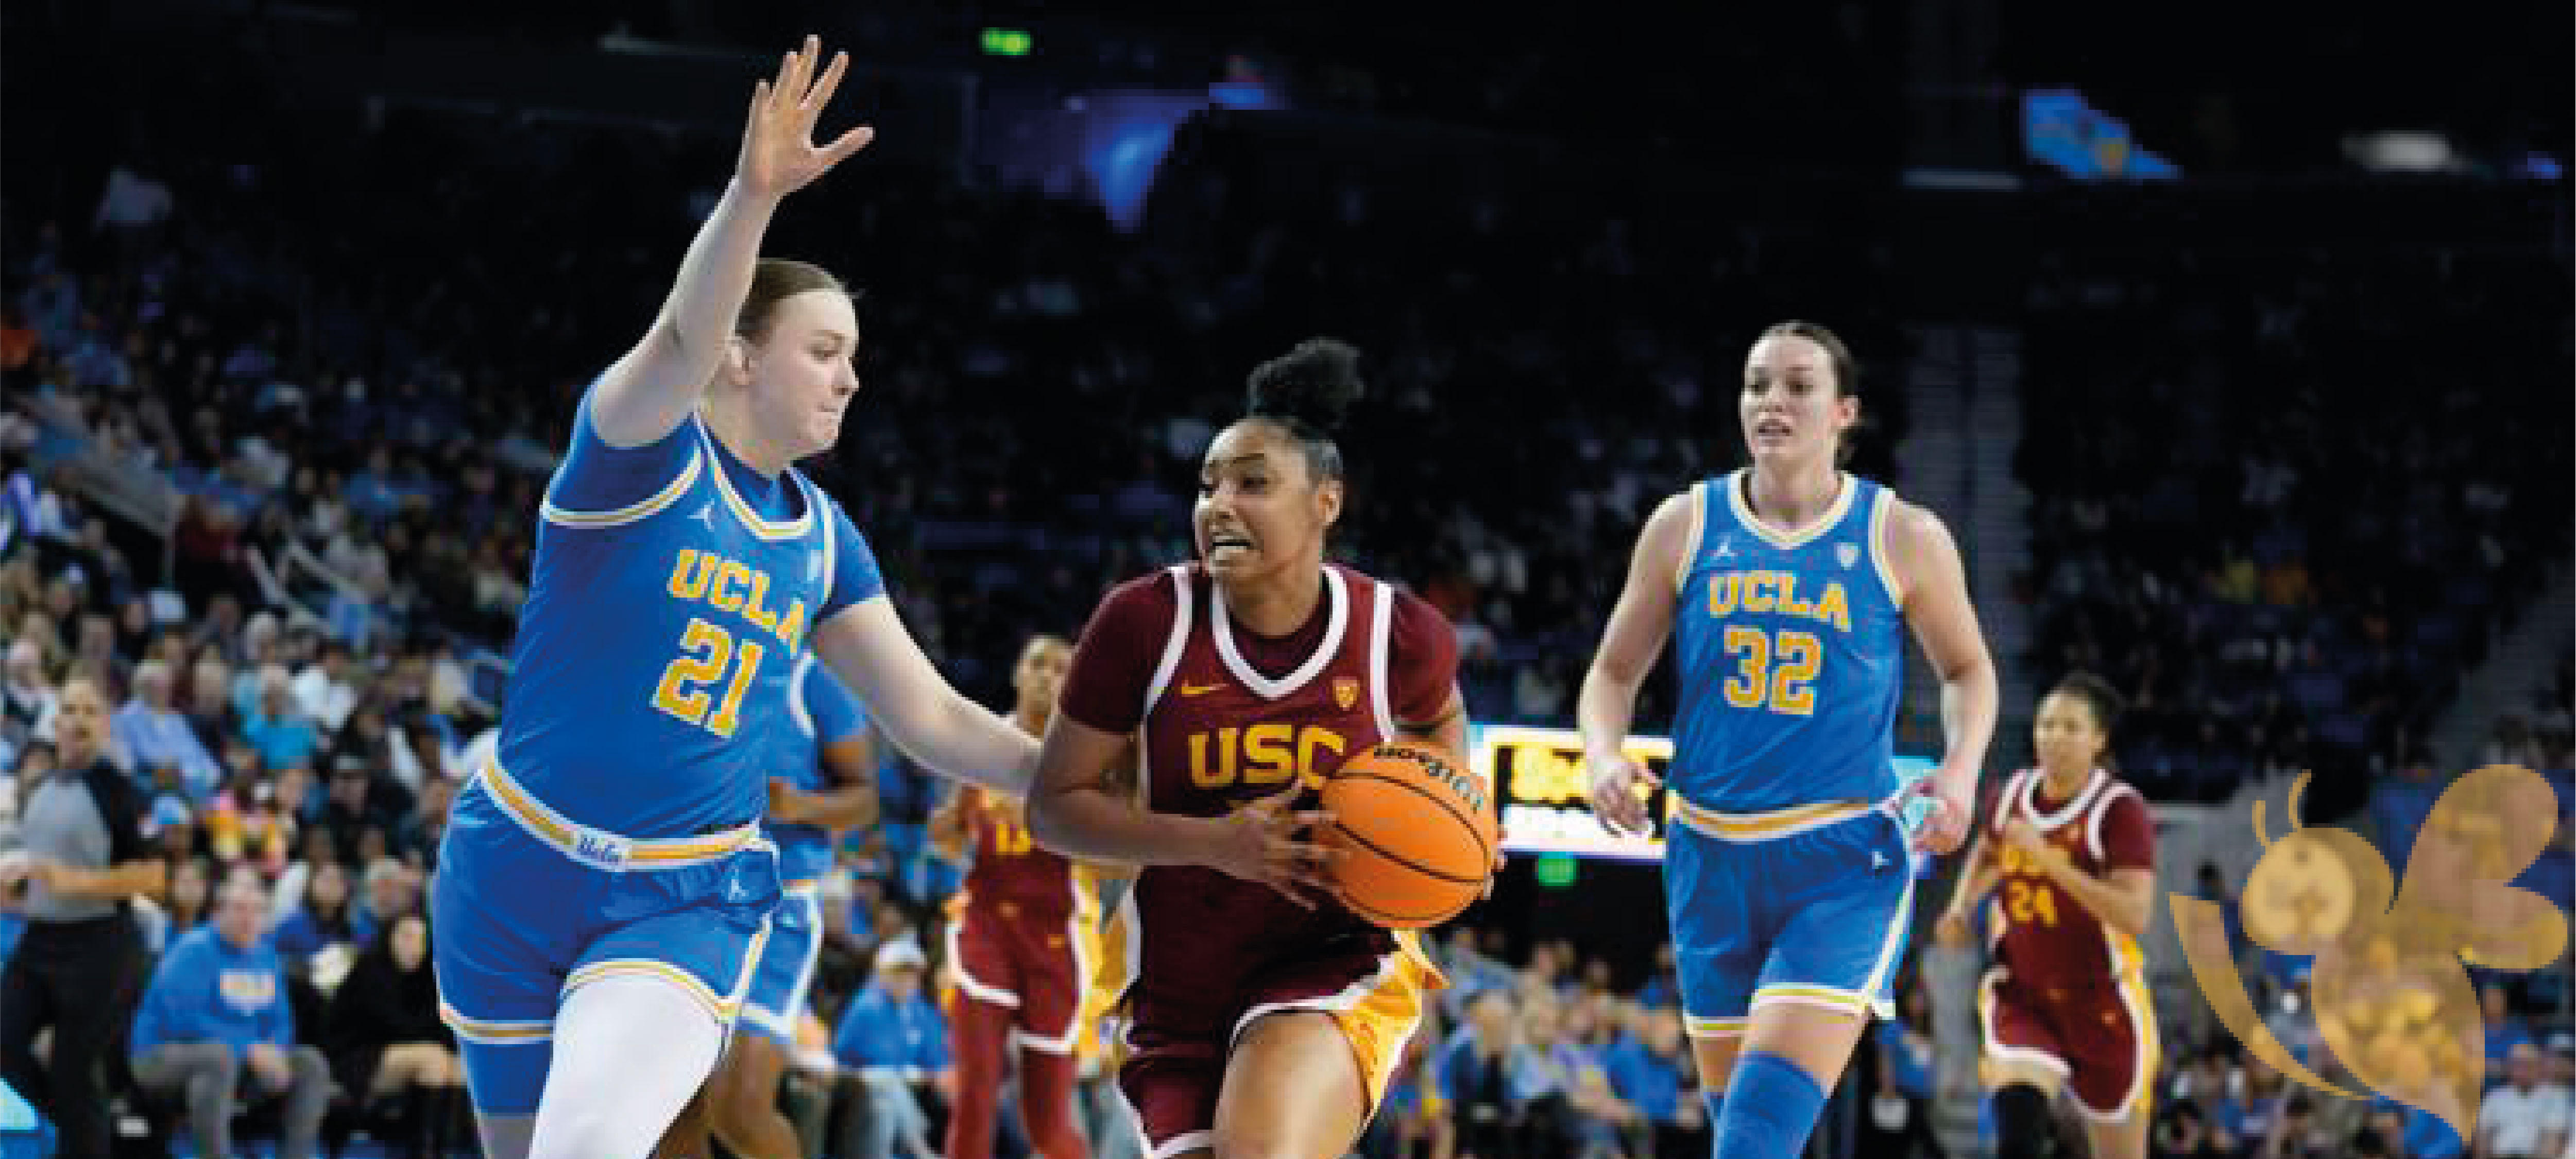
pixel 1189 689
pixel 706 514
pixel 1877 860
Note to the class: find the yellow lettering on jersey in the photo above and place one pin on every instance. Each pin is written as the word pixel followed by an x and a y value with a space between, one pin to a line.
pixel 724 598
pixel 1776 591
pixel 732 586
pixel 752 608
pixel 1759 591
pixel 688 582
pixel 1203 776
pixel 792 628
pixel 1271 753
pixel 1308 740
pixel 1835 609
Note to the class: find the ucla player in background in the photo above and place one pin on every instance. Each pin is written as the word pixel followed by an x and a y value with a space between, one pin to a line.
pixel 831 787
pixel 604 889
pixel 1787 588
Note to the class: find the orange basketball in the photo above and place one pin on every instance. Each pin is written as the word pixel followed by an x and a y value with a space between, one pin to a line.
pixel 1417 832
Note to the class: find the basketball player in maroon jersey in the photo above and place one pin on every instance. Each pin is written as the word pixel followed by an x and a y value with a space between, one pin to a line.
pixel 1023 939
pixel 1263 1017
pixel 2066 1005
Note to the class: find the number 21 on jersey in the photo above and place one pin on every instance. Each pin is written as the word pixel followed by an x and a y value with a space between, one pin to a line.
pixel 706 653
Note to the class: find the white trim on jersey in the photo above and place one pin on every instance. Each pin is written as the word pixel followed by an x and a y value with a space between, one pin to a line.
pixel 1173 645
pixel 1336 1003
pixel 1177 641
pixel 1381 633
pixel 1788 538
pixel 1182 1144
pixel 1698 504
pixel 831 558
pixel 1882 558
pixel 2101 809
pixel 750 518
pixel 2007 801
pixel 979 990
pixel 2069 811
pixel 1996 1047
pixel 1263 686
pixel 1074 943
pixel 796 710
pixel 632 512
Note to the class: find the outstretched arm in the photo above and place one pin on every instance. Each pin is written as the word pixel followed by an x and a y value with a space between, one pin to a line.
pixel 868 647
pixel 647 393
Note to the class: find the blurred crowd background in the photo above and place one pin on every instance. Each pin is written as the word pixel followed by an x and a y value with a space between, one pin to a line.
pixel 295 303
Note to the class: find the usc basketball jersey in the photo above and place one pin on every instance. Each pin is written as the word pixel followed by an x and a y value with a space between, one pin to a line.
pixel 650 672
pixel 1791 649
pixel 1009 865
pixel 1217 734
pixel 2047 939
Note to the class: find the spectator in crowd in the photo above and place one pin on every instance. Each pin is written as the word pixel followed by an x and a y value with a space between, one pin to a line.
pixel 208 706
pixel 893 1039
pixel 276 725
pixel 393 890
pixel 156 735
pixel 387 1044
pixel 1474 1070
pixel 217 1007
pixel 325 917
pixel 81 962
pixel 2502 1030
pixel 1897 1122
pixel 2525 1118
pixel 323 690
pixel 190 901
pixel 26 697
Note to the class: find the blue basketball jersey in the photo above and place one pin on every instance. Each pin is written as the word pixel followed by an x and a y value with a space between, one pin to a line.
pixel 652 661
pixel 1791 651
pixel 824 711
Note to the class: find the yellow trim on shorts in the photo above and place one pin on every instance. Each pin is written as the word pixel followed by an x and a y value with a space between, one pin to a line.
pixel 1769 826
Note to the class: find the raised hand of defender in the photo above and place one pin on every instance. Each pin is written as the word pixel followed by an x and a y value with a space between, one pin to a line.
pixel 779 156
pixel 1618 790
pixel 1265 841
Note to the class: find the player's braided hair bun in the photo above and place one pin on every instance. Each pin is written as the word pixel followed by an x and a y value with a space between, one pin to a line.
pixel 1308 389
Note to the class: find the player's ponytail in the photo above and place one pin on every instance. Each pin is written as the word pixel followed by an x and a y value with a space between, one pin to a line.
pixel 1307 391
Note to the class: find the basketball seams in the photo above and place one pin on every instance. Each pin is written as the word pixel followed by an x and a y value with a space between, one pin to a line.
pixel 1399 859
pixel 1483 847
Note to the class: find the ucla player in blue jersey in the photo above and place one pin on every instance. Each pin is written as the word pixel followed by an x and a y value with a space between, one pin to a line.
pixel 833 788
pixel 1788 588
pixel 604 889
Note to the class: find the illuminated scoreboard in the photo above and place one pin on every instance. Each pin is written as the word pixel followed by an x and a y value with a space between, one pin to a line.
pixel 1537 775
